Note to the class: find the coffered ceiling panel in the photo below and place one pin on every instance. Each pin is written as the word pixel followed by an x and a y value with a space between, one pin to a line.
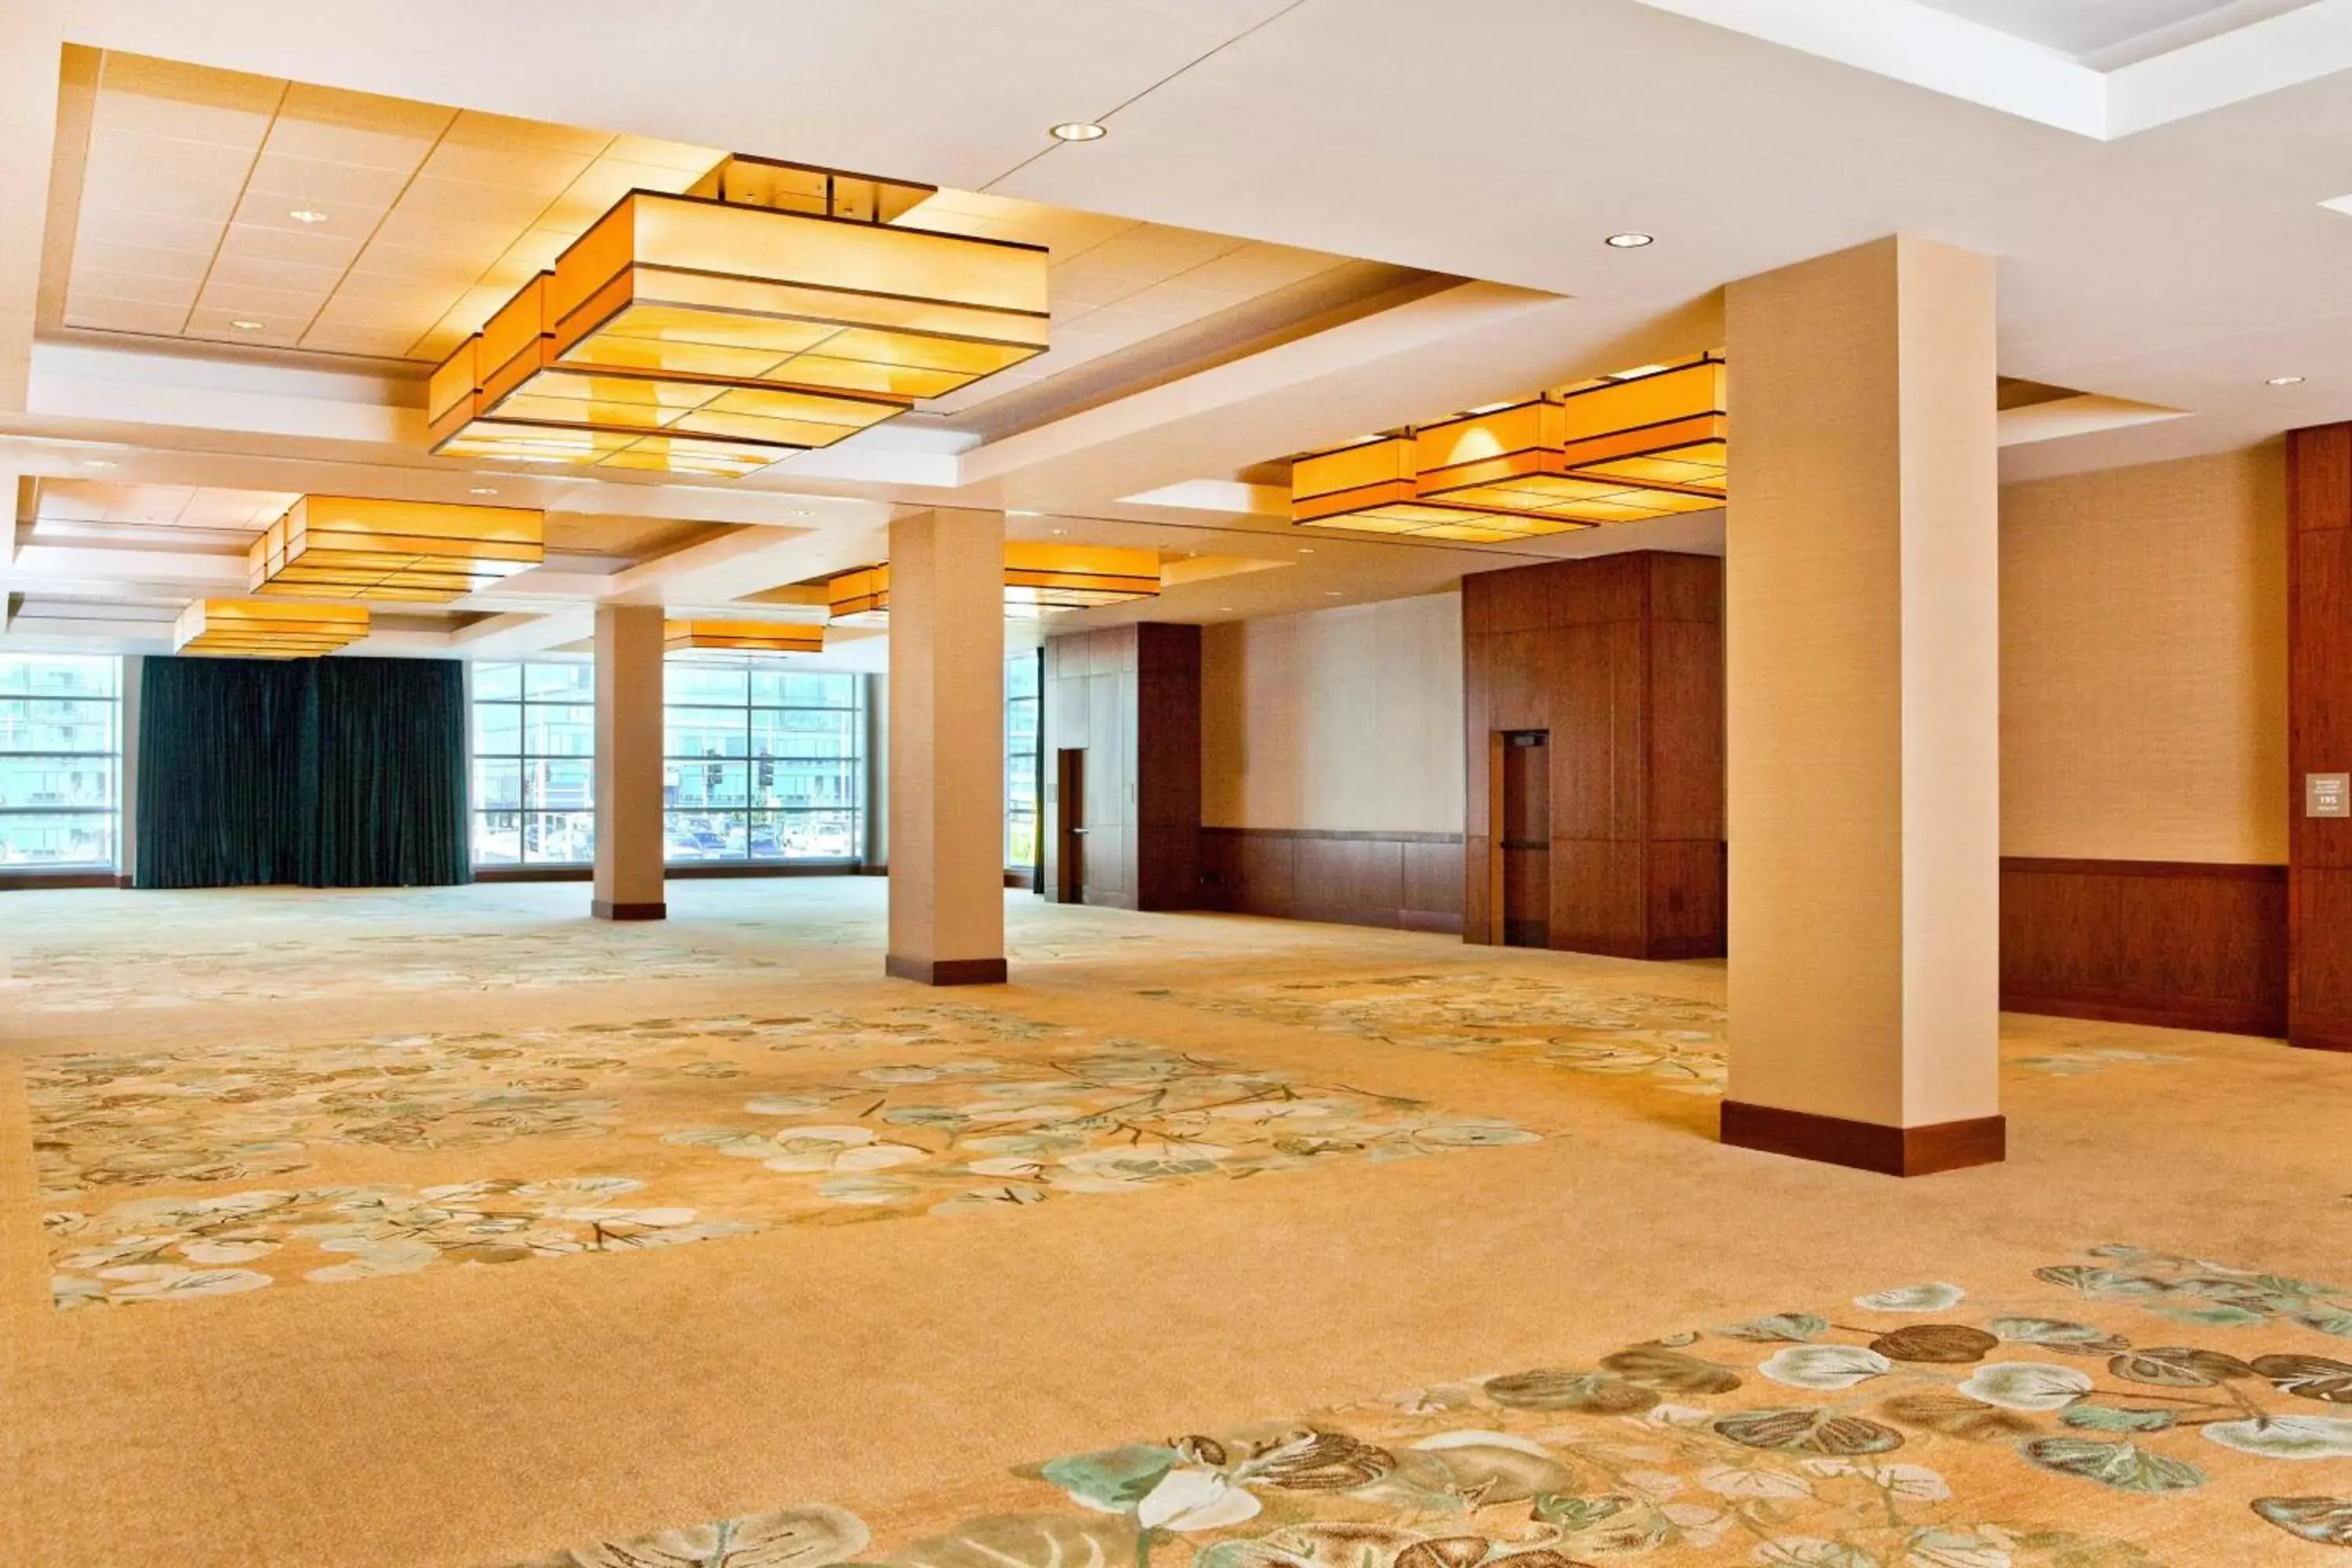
pixel 241 209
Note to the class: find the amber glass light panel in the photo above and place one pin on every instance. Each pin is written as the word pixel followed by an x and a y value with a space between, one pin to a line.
pixel 1039 579
pixel 344 547
pixel 766 637
pixel 776 309
pixel 1369 488
pixel 1616 450
pixel 247 628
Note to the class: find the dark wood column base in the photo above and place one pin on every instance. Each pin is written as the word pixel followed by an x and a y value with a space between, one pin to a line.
pixel 945 971
pixel 2323 1035
pixel 1866 1145
pixel 605 909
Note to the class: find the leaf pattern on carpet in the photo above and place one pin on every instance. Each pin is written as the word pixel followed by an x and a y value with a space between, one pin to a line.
pixel 2052 1426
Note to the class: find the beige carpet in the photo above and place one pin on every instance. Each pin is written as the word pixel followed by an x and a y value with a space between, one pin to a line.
pixel 449 1229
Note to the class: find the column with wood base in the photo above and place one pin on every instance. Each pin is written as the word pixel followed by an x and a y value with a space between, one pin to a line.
pixel 629 838
pixel 1860 625
pixel 2319 737
pixel 947 747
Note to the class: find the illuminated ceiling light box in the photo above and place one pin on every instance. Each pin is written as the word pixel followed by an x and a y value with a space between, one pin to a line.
pixel 771 308
pixel 1369 488
pixel 1039 579
pixel 248 629
pixel 763 638
pixel 341 547
pixel 1623 449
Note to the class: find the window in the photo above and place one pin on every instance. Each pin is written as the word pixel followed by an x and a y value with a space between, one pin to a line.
pixel 1021 761
pixel 534 764
pixel 60 762
pixel 762 764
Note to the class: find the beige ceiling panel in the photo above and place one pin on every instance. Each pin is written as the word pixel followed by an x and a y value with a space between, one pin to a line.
pixel 252 510
pixel 377 343
pixel 472 129
pixel 139 286
pixel 309 247
pixel 210 321
pixel 536 251
pixel 356 127
pixel 604 182
pixel 291 276
pixel 1154 252
pixel 102 314
pixel 678 157
pixel 413 264
pixel 123 227
pixel 72 500
pixel 1175 301
pixel 150 261
pixel 344 220
pixel 146 503
pixel 260 300
pixel 190 103
pixel 319 185
pixel 132 169
pixel 1255 269
pixel 346 312
pixel 538 170
pixel 1077 285
pixel 413 226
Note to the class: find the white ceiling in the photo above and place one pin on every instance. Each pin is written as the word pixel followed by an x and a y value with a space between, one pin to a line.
pixel 2115 32
pixel 2176 256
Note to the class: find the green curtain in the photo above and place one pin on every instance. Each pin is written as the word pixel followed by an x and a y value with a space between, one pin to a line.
pixel 330 772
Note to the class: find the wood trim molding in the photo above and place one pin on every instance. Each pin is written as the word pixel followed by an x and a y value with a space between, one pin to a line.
pixel 605 909
pixel 27 880
pixel 945 971
pixel 2178 945
pixel 1866 1145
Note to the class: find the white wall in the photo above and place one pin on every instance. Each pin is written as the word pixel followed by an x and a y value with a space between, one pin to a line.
pixel 1342 719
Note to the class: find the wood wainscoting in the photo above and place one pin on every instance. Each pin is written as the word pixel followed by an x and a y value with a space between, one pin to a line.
pixel 2178 943
pixel 1410 881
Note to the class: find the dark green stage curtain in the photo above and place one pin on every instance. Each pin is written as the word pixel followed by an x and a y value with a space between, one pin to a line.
pixel 330 773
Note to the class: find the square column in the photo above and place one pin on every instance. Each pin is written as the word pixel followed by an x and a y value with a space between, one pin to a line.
pixel 947 747
pixel 1862 629
pixel 2319 736
pixel 630 842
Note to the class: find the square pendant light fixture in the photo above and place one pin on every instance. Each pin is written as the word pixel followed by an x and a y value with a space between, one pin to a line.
pixel 342 547
pixel 1371 487
pixel 1039 580
pixel 759 637
pixel 248 629
pixel 1648 444
pixel 771 308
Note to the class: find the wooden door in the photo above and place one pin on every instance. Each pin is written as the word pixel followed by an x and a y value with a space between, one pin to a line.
pixel 1070 819
pixel 1526 838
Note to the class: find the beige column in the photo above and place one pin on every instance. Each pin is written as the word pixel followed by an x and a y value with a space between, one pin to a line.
pixel 1861 644
pixel 629 837
pixel 947 747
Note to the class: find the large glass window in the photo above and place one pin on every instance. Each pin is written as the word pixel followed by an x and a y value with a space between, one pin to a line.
pixel 762 764
pixel 1021 761
pixel 534 764
pixel 60 762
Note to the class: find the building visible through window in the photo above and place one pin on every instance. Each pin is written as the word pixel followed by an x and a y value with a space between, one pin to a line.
pixel 534 764
pixel 762 763
pixel 60 762
pixel 1020 707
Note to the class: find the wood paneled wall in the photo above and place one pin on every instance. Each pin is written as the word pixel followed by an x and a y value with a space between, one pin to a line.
pixel 1621 658
pixel 2183 944
pixel 1131 698
pixel 2319 733
pixel 1408 880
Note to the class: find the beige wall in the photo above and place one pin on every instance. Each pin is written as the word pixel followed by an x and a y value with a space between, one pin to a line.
pixel 1343 719
pixel 2143 663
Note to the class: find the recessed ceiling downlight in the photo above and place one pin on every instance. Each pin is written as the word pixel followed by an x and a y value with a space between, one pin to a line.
pixel 244 324
pixel 2284 381
pixel 1077 131
pixel 1630 240
pixel 307 215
